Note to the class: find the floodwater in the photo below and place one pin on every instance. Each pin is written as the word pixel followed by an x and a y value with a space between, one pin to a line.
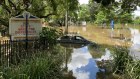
pixel 81 63
pixel 135 48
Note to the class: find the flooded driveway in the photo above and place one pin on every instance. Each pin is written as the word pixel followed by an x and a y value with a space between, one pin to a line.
pixel 81 63
pixel 135 48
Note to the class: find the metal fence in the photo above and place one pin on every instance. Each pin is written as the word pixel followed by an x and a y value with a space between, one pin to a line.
pixel 12 52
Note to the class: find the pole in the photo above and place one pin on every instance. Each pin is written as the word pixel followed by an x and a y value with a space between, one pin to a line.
pixel 66 18
pixel 26 31
pixel 66 22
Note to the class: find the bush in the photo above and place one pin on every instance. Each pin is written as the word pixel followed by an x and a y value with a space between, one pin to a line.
pixel 50 35
pixel 121 58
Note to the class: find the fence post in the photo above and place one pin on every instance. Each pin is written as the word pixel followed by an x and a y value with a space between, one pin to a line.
pixel 11 45
pixel 0 54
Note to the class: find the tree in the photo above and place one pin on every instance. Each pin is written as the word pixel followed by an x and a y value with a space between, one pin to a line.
pixel 105 2
pixel 94 8
pixel 129 5
pixel 120 11
pixel 40 8
pixel 100 17
pixel 63 6
pixel 84 13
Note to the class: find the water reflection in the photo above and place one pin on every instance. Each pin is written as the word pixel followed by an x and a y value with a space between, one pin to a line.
pixel 81 61
pixel 73 45
pixel 82 64
pixel 135 48
pixel 106 56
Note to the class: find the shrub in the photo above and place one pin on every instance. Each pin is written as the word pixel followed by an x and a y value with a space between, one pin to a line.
pixel 121 58
pixel 124 64
pixel 50 35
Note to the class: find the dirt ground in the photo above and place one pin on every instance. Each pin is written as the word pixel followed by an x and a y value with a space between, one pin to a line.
pixel 103 35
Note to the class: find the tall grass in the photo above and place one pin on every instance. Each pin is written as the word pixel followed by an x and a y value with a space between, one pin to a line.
pixel 132 70
pixel 121 58
pixel 125 65
pixel 43 65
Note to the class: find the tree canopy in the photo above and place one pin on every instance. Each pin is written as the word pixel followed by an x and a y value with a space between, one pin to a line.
pixel 58 8
pixel 40 8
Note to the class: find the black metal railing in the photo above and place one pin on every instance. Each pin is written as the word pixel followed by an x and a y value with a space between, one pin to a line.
pixel 12 52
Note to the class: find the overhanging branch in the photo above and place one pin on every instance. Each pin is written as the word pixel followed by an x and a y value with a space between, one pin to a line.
pixel 13 5
pixel 50 14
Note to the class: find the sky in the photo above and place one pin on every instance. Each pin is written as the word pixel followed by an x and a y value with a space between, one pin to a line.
pixel 136 12
pixel 83 1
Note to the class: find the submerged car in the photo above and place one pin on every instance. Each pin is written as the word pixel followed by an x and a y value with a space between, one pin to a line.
pixel 73 40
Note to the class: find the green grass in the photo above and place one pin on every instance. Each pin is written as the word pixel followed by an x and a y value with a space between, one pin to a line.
pixel 132 70
pixel 124 65
pixel 43 65
pixel 121 58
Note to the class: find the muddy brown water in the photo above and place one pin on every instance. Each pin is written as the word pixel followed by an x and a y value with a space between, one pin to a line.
pixel 81 61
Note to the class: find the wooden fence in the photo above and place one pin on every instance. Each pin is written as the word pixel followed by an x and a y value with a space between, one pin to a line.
pixel 11 52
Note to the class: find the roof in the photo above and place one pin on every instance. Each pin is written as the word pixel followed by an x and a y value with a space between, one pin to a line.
pixel 21 16
pixel 24 14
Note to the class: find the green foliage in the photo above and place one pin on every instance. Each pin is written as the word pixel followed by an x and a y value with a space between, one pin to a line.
pixel 39 8
pixel 105 2
pixel 121 58
pixel 125 18
pixel 132 70
pixel 84 14
pixel 129 5
pixel 124 64
pixel 100 17
pixel 62 7
pixel 137 20
pixel 50 34
pixel 42 65
pixel 94 9
pixel 120 11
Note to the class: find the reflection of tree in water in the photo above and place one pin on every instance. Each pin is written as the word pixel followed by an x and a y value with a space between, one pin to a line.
pixel 68 52
pixel 98 51
pixel 95 51
pixel 73 45
pixel 67 57
pixel 69 75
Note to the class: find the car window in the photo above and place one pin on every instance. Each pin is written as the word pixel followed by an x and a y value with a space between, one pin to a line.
pixel 78 38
